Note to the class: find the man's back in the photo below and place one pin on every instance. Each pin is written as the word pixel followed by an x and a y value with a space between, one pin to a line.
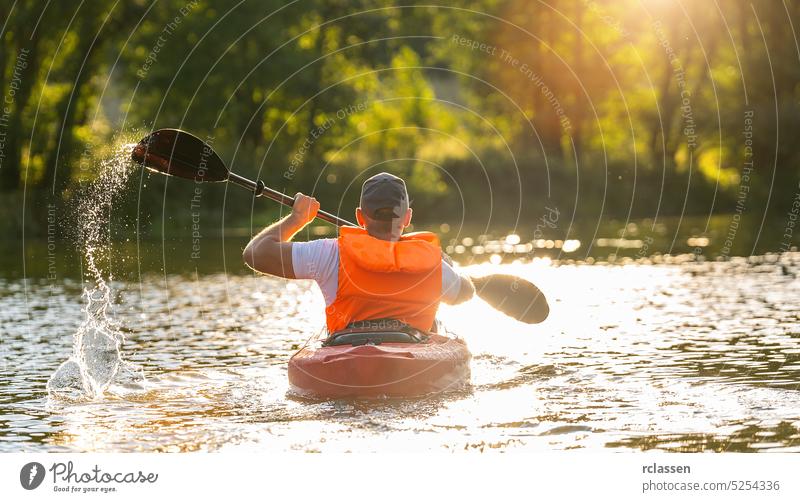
pixel 318 260
pixel 406 273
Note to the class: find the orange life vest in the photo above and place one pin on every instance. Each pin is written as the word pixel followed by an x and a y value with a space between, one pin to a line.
pixel 386 279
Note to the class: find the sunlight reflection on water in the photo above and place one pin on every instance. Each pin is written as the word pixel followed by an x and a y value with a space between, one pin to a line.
pixel 685 357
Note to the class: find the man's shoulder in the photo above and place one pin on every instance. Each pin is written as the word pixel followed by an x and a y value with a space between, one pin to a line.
pixel 315 259
pixel 322 243
pixel 317 247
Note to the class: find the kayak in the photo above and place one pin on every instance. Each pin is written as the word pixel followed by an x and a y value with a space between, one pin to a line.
pixel 379 363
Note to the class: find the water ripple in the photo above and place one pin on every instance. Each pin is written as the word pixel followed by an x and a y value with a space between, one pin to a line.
pixel 678 357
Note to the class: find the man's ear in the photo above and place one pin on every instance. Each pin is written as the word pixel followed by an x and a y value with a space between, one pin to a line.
pixel 407 220
pixel 360 218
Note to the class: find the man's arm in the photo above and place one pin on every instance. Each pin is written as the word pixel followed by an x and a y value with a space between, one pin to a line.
pixel 270 252
pixel 466 290
pixel 457 288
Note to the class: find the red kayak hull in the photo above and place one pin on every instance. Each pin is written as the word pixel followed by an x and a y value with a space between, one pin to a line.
pixel 437 365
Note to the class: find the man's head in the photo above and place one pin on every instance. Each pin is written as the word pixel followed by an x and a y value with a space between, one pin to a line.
pixel 384 210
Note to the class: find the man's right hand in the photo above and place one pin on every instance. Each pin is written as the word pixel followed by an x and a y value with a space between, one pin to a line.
pixel 304 208
pixel 270 252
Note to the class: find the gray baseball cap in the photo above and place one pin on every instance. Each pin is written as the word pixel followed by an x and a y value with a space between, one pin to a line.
pixel 383 191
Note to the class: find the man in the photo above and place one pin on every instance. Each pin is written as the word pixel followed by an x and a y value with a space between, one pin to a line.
pixel 371 272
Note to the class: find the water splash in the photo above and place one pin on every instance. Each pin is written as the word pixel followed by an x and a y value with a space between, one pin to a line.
pixel 96 361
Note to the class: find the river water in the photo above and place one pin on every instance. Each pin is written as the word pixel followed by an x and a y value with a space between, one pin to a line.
pixel 679 356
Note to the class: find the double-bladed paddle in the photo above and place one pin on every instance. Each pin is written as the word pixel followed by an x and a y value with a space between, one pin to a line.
pixel 178 153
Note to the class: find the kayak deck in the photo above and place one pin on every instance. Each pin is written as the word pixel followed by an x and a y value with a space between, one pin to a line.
pixel 375 369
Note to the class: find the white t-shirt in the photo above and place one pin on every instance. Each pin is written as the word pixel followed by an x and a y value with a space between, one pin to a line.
pixel 319 260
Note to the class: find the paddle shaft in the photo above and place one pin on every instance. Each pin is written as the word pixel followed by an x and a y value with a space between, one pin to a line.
pixel 261 190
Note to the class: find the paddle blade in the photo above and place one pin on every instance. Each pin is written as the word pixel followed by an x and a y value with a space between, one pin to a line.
pixel 178 153
pixel 513 296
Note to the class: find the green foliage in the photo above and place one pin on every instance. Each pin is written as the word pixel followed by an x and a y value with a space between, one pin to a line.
pixel 559 101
